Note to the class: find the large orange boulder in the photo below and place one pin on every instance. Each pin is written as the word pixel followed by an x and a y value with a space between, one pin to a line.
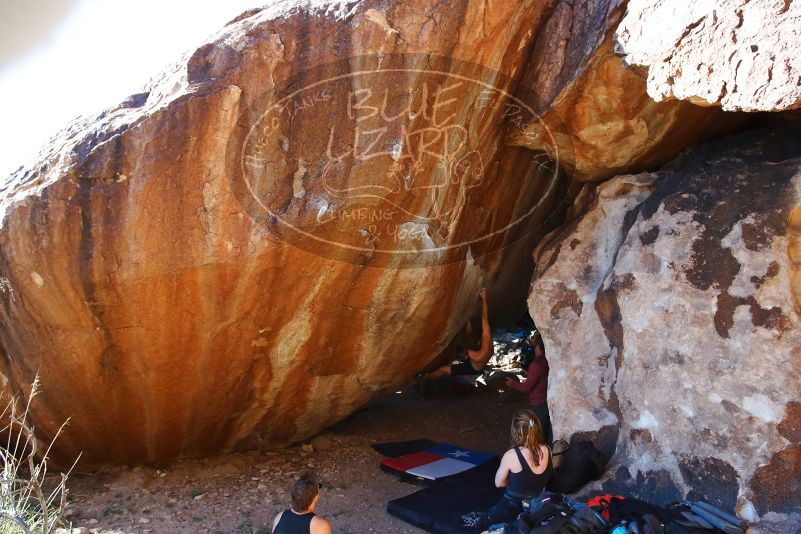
pixel 297 217
pixel 293 220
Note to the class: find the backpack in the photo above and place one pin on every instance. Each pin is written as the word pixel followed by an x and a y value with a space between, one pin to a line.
pixel 632 509
pixel 581 464
pixel 553 513
pixel 694 517
pixel 600 503
pixel 560 447
pixel 630 515
pixel 546 518
pixel 647 524
pixel 585 521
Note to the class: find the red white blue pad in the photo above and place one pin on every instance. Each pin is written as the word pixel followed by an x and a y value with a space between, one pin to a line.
pixel 437 462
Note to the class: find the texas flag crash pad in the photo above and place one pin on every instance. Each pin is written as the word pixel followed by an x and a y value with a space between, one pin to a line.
pixel 436 462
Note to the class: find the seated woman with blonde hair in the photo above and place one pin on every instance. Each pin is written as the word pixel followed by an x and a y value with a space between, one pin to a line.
pixel 525 470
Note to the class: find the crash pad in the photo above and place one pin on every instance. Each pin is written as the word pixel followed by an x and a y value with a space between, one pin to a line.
pixel 399 448
pixel 450 505
pixel 436 462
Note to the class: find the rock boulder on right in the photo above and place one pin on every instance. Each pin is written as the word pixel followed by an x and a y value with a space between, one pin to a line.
pixel 736 54
pixel 669 307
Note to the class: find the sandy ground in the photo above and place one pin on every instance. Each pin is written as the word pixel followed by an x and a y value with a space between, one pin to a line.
pixel 241 493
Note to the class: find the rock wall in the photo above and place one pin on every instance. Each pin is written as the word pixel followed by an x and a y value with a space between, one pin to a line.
pixel 737 54
pixel 216 262
pixel 672 328
pixel 243 253
pixel 598 118
pixel 297 216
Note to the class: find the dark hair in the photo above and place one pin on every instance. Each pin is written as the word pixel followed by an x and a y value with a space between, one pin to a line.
pixel 304 490
pixel 472 340
pixel 535 338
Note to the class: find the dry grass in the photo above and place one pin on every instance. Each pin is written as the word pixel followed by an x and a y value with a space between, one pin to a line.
pixel 30 501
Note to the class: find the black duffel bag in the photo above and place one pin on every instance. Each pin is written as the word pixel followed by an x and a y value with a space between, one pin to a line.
pixel 580 464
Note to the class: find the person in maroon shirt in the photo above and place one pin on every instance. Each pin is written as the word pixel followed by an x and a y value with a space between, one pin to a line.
pixel 536 385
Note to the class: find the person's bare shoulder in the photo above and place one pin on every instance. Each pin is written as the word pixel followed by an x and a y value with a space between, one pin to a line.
pixel 320 525
pixel 508 457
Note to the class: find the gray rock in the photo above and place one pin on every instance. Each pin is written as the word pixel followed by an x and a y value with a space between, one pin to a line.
pixel 738 54
pixel 671 323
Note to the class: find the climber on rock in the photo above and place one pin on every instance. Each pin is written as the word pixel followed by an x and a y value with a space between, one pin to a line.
pixel 536 384
pixel 474 358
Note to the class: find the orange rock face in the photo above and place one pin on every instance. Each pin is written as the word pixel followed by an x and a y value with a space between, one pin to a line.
pixel 295 220
pixel 297 217
pixel 596 108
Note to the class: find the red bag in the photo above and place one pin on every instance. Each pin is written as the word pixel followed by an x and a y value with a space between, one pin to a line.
pixel 600 503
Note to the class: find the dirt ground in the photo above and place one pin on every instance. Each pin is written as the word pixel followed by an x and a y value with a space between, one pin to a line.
pixel 241 493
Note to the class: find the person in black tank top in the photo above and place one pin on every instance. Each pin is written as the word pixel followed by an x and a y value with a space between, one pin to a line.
pixel 292 522
pixel 526 483
pixel 300 518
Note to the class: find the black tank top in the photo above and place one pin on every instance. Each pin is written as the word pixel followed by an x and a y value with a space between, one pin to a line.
pixel 527 484
pixel 292 523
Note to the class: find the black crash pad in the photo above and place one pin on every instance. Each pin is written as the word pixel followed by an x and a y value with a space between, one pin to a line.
pixel 399 448
pixel 444 506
